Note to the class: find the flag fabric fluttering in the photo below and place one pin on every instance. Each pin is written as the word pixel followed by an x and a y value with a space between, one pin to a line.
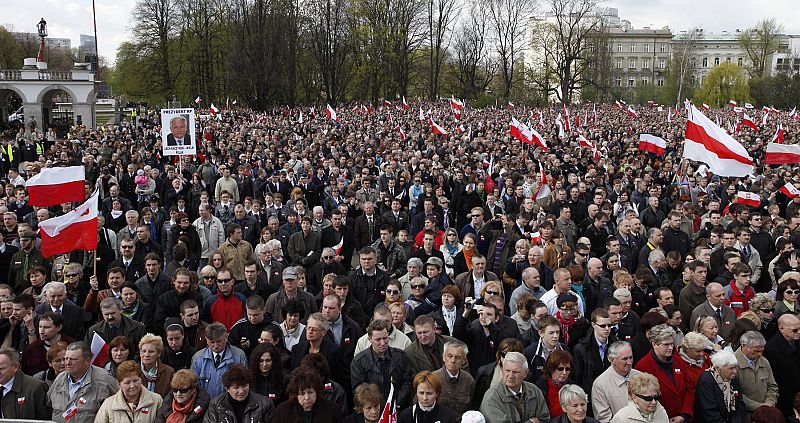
pixel 566 118
pixel 436 128
pixel 749 122
pixel 76 230
pixel 405 104
pixel 652 143
pixel 213 109
pixel 788 189
pixel 749 198
pixel 456 104
pixel 198 100
pixel 632 113
pixel 401 132
pixel 330 113
pixel 100 350
pixel 708 143
pixel 782 154
pixel 56 185
pixel 544 185
pixel 779 135
pixel 389 414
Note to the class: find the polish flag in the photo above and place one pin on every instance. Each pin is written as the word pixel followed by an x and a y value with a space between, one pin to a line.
pixel 330 113
pixel 387 103
pixel 560 125
pixel 732 103
pixel 461 129
pixel 669 116
pixel 793 112
pixel 76 230
pixel 705 107
pixel 748 121
pixel 779 135
pixel 56 185
pixel 748 106
pixel 510 105
pixel 338 247
pixel 457 114
pixel 749 198
pixel 764 119
pixel 198 100
pixel 790 190
pixel 436 128
pixel 566 118
pixel 544 185
pixel 708 143
pixel 100 351
pixel 619 104
pixel 456 104
pixel 594 112
pixel 402 133
pixel 632 113
pixel 782 154
pixel 213 109
pixel 521 131
pixel 652 143
pixel 300 119
pixel 536 237
pixel 389 414
pixel 583 142
pixel 364 109
pixel 405 104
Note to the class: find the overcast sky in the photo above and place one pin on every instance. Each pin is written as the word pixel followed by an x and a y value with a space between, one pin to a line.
pixel 70 18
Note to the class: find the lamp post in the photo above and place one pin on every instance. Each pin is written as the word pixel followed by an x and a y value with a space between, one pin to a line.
pixel 41 27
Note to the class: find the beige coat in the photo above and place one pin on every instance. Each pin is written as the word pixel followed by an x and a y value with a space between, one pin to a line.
pixel 758 384
pixel 115 409
pixel 97 385
pixel 631 414
pixel 610 394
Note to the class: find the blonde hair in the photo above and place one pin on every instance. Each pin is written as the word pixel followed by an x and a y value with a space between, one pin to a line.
pixel 156 341
pixel 493 284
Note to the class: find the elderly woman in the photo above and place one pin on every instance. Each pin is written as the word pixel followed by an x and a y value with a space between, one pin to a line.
pixel 709 327
pixel 557 372
pixel 644 406
pixel 333 392
pixel 269 377
pixel 414 268
pixel 764 306
pixel 369 403
pixel 186 402
pixel 677 389
pixel 132 403
pixel 786 298
pixel 717 396
pixel 574 402
pixel 428 387
pixel 55 361
pixel 119 350
pixel 693 351
pixel 305 403
pixel 157 375
pixel 417 297
pixel 238 401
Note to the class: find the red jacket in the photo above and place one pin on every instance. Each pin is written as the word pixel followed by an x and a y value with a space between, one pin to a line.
pixel 738 301
pixel 226 310
pixel 677 397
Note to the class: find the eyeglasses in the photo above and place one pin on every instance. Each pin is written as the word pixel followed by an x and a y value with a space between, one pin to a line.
pixel 417 286
pixel 649 398
pixel 224 280
pixel 327 257
pixel 392 291
pixel 790 292
pixel 126 247
pixel 766 310
pixel 581 254
pixel 492 292
pixel 181 390
pixel 604 326
pixel 73 275
pixel 564 369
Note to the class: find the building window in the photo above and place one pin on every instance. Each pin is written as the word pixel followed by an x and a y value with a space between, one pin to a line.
pixel 740 62
pixel 618 81
pixel 796 65
pixel 662 48
pixel 631 81
pixel 619 48
pixel 645 80
pixel 728 59
pixel 645 63
pixel 662 64
pixel 716 61
pixel 633 48
pixel 618 64
pixel 693 62
pixel 646 47
pixel 705 62
pixel 660 82
pixel 632 64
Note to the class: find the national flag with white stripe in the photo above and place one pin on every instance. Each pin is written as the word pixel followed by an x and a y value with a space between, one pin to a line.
pixel 330 113
pixel 779 135
pixel 456 104
pixel 652 143
pixel 749 122
pixel 544 185
pixel 632 113
pixel 436 128
pixel 405 104
pixel 788 189
pixel 76 230
pixel 56 185
pixel 749 198
pixel 782 154
pixel 708 143
pixel 100 351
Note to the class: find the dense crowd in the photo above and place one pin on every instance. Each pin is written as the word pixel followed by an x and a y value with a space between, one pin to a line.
pixel 305 269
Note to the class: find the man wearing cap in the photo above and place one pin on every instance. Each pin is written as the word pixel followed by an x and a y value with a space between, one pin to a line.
pixel 22 261
pixel 289 292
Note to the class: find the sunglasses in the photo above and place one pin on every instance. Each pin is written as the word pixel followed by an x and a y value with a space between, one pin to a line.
pixel 790 292
pixel 766 310
pixel 209 277
pixel 392 291
pixel 564 369
pixel 417 286
pixel 327 257
pixel 604 326
pixel 181 390
pixel 224 280
pixel 649 398
pixel 73 275
pixel 492 292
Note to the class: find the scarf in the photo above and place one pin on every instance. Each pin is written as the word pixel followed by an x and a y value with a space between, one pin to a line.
pixel 452 249
pixel 696 363
pixel 130 311
pixel 727 390
pixel 647 417
pixel 789 305
pixel 150 377
pixel 181 411
pixel 579 290
pixel 565 325
pixel 468 257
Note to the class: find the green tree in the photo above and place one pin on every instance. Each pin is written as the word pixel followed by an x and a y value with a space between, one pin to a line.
pixel 723 83
pixel 759 42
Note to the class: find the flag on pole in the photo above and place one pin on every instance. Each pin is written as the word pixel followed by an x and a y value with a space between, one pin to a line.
pixel 732 103
pixel 749 122
pixel 764 119
pixel 405 104
pixel 566 118
pixel 793 111
pixel 594 112
pixel 652 143
pixel 708 143
pixel 788 189
pixel 560 125
pixel 705 107
pixel 300 119
pixel 749 198
pixel 782 154
pixel 456 104
pixel 536 237
pixel 779 135
pixel 227 103
pixel 198 100
pixel 544 185
pixel 389 414
pixel 632 113
pixel 76 230
pixel 213 109
pixel 436 128
pixel 402 133
pixel 100 351
pixel 330 113
pixel 56 185
pixel 510 105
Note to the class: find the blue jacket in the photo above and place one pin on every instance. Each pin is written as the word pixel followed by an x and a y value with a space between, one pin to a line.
pixel 210 376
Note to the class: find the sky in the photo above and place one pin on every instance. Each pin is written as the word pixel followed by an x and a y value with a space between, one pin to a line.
pixel 70 18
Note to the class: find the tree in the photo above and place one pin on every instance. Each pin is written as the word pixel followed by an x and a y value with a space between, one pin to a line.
pixel 472 63
pixel 723 83
pixel 509 19
pixel 441 14
pixel 563 43
pixel 330 32
pixel 759 42
pixel 680 76
pixel 155 26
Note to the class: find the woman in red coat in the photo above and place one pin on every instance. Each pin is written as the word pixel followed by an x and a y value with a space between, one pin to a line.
pixel 693 353
pixel 677 388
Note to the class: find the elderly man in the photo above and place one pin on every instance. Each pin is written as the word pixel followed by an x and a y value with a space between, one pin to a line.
pixel 288 292
pixel 514 399
pixel 457 392
pixel 382 365
pixel 530 284
pixel 78 391
pixel 610 389
pixel 782 353
pixel 715 306
pixel 470 283
pixel 314 340
pixel 24 397
pixel 55 293
pixel 114 324
pixel 251 228
pixel 212 362
pixel 755 373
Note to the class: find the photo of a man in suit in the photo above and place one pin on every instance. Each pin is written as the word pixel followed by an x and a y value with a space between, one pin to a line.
pixel 178 132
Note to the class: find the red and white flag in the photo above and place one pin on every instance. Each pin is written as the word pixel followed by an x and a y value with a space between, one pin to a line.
pixel 405 105
pixel 456 104
pixel 779 135
pixel 56 185
pixel 400 130
pixel 330 113
pixel 436 128
pixel 520 131
pixel 732 103
pixel 566 118
pixel 100 351
pixel 198 100
pixel 782 154
pixel 213 109
pixel 789 190
pixel 749 198
pixel 594 112
pixel 76 230
pixel 708 143
pixel 652 143
pixel 544 185
pixel 583 142
pixel 705 107
pixel 536 237
pixel 748 121
pixel 510 105
pixel 560 125
pixel 389 414
pixel 338 247
pixel 764 119
pixel 632 113
pixel 387 103
pixel 421 115
pixel 461 129
pixel 793 111
pixel 669 116
pixel 619 104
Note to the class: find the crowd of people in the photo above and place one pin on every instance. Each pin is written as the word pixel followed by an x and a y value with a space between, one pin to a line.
pixel 306 269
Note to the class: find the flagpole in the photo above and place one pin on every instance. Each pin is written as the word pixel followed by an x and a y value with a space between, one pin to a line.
pixel 94 262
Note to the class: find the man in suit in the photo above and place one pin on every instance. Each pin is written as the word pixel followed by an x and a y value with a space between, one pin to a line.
pixel 178 132
pixel 23 397
pixel 781 352
pixel 56 293
pixel 367 226
pixel 396 216
pixel 343 331
pixel 715 306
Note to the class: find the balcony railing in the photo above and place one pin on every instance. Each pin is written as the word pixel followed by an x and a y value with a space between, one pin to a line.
pixel 10 75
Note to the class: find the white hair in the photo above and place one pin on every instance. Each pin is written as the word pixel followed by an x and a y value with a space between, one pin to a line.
pixel 724 358
pixel 516 357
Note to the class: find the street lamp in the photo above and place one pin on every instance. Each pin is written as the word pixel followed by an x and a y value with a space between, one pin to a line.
pixel 41 27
